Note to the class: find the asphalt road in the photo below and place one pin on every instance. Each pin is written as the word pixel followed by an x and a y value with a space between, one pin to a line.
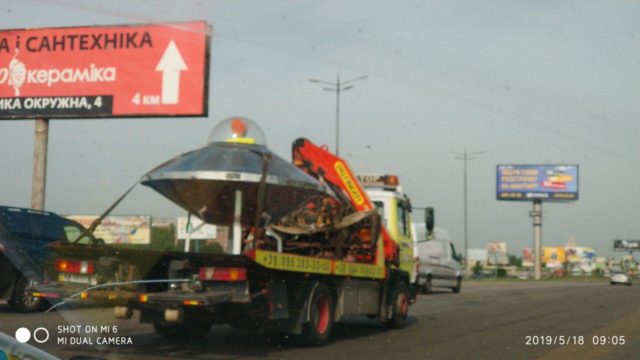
pixel 487 320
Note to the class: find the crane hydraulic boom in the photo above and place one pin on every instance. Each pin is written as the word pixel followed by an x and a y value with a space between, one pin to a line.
pixel 319 162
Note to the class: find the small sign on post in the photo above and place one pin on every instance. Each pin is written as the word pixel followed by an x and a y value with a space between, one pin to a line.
pixel 626 245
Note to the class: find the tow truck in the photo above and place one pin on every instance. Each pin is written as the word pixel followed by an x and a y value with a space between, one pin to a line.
pixel 333 253
pixel 310 246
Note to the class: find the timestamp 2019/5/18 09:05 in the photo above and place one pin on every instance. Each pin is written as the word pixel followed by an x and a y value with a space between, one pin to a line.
pixel 562 340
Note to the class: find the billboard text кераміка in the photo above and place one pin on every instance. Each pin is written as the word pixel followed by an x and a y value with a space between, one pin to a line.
pixel 105 71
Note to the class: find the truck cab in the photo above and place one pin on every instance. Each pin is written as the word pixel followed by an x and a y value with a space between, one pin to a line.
pixel 394 208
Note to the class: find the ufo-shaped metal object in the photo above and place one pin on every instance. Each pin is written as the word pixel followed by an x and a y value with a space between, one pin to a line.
pixel 205 182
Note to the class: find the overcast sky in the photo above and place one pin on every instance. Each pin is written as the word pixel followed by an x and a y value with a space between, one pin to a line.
pixel 524 81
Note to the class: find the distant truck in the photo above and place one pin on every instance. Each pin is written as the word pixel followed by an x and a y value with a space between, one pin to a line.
pixel 439 265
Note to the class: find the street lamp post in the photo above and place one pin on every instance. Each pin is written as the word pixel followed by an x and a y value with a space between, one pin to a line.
pixel 337 87
pixel 466 157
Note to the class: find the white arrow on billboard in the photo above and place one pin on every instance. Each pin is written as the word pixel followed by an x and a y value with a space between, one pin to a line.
pixel 171 64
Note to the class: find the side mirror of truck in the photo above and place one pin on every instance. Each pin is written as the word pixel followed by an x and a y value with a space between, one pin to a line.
pixel 429 220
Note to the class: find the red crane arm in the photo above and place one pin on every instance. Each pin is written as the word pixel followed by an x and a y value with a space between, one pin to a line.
pixel 319 162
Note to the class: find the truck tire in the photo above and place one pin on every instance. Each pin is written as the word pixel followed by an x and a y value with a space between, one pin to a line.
pixel 193 330
pixel 456 289
pixel 400 306
pixel 317 331
pixel 22 301
pixel 427 288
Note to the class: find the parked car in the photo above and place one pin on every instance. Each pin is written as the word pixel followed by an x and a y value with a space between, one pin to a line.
pixel 620 277
pixel 27 249
pixel 439 264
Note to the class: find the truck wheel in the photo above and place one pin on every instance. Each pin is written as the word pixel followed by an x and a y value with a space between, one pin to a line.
pixel 321 310
pixel 427 288
pixel 458 286
pixel 400 310
pixel 193 330
pixel 22 300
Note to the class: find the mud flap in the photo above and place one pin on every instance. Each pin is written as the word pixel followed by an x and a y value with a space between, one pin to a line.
pixel 298 311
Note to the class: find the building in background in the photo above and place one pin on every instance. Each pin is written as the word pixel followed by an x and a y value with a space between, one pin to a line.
pixel 477 256
pixel 163 222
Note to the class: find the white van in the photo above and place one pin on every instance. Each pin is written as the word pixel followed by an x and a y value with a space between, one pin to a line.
pixel 439 264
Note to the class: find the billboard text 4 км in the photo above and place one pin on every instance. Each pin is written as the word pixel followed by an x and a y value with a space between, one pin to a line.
pixel 104 71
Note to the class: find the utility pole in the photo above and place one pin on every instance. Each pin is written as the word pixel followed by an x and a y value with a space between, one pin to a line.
pixel 337 87
pixel 39 180
pixel 465 157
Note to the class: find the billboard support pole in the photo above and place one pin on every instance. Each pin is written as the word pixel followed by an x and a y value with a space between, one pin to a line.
pixel 39 179
pixel 536 214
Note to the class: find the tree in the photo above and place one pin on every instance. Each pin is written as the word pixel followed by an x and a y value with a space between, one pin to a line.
pixel 515 260
pixel 477 268
pixel 162 238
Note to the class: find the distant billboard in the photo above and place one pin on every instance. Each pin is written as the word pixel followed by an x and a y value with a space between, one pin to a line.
pixel 529 182
pixel 580 254
pixel 527 257
pixel 626 245
pixel 497 247
pixel 553 256
pixel 497 253
pixel 475 255
pixel 119 229
pixel 202 232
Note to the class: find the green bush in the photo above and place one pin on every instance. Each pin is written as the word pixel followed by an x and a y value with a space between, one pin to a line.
pixel 163 238
pixel 212 247
pixel 477 268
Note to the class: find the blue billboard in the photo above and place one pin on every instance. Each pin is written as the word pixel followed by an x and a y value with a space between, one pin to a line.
pixel 530 182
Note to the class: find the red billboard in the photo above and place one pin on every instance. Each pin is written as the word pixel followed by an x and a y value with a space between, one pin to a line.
pixel 105 71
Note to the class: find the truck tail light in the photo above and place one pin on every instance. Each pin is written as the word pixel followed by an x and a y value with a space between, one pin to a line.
pixel 223 274
pixel 74 267
pixel 45 295
pixel 1 248
pixel 192 302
